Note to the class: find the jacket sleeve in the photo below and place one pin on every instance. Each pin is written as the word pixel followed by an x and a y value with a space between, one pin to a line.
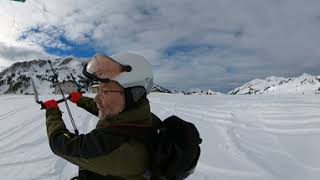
pixel 96 151
pixel 88 104
pixel 63 142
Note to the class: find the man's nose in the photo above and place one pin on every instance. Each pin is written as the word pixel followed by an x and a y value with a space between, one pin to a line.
pixel 97 97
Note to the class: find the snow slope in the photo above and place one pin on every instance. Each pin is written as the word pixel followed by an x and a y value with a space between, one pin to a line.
pixel 244 137
pixel 304 84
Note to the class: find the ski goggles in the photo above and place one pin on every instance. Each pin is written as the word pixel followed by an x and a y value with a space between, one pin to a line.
pixel 102 68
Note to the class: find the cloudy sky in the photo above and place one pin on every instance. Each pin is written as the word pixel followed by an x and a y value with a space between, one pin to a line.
pixel 217 44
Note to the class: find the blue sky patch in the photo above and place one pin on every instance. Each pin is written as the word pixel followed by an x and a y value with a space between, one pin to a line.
pixel 77 50
pixel 187 48
pixel 231 70
pixel 57 44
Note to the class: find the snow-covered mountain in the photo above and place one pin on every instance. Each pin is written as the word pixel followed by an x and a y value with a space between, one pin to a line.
pixel 197 91
pixel 158 88
pixel 193 91
pixel 304 84
pixel 16 78
pixel 2 68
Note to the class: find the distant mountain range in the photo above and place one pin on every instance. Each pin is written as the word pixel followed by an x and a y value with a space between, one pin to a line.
pixel 304 84
pixel 158 88
pixel 16 78
pixel 197 91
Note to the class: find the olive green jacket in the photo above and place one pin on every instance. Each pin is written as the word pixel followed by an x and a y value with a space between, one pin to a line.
pixel 99 152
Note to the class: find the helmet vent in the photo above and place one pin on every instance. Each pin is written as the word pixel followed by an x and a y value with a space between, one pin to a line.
pixel 127 68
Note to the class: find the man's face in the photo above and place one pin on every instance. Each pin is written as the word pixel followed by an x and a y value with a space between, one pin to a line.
pixel 110 99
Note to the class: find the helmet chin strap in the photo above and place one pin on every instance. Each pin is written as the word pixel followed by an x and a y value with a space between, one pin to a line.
pixel 133 95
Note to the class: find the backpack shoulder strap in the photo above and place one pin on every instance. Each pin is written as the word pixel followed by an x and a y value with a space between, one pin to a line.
pixel 156 121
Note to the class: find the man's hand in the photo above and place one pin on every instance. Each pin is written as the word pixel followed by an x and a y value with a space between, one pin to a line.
pixel 50 104
pixel 74 96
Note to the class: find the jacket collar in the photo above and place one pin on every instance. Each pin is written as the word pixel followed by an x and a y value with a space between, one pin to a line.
pixel 137 115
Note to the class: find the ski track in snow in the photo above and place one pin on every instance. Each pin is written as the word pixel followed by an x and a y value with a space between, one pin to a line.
pixel 244 137
pixel 251 134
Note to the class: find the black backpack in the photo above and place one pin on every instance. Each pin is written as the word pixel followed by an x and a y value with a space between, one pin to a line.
pixel 174 146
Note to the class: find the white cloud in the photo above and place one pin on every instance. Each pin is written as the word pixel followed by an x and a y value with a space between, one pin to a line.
pixel 246 39
pixel 9 53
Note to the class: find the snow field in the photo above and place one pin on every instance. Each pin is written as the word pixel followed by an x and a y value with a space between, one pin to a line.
pixel 244 137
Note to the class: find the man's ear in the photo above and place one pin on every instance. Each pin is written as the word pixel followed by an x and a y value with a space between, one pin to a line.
pixel 133 95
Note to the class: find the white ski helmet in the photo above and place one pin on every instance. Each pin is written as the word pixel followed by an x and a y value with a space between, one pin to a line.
pixel 128 69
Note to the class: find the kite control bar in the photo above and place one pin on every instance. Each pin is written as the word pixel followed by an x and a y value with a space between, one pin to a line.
pixel 64 99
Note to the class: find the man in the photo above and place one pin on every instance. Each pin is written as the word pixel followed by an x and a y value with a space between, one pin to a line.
pixel 124 81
